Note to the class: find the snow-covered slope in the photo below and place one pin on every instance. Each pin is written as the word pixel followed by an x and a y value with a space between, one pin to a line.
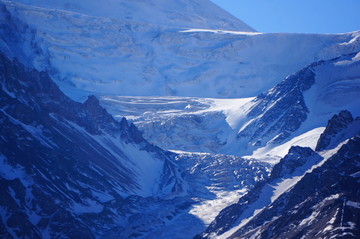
pixel 105 56
pixel 303 102
pixel 176 13
pixel 100 55
pixel 294 112
pixel 213 185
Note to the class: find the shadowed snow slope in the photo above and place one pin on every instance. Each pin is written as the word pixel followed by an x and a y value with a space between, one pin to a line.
pixel 63 161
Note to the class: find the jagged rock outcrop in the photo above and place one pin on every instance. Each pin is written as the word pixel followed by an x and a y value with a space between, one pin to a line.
pixel 309 194
pixel 280 111
pixel 67 168
pixel 296 157
pixel 323 204
pixel 338 125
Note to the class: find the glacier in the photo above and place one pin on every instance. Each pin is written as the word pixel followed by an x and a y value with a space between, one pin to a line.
pixel 100 55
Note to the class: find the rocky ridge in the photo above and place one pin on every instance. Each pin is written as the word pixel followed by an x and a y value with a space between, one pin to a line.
pixel 309 194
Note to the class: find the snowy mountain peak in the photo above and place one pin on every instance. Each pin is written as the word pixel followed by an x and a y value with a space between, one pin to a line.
pixel 176 13
pixel 92 104
pixel 87 53
pixel 341 120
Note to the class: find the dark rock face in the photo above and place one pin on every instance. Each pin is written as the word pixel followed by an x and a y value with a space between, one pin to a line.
pixel 282 110
pixel 324 204
pixel 335 125
pixel 296 158
pixel 64 172
pixel 278 113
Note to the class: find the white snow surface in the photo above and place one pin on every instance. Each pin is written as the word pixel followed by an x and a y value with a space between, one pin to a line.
pixel 211 124
pixel 9 172
pixel 136 107
pixel 207 210
pixel 222 32
pixel 273 154
pixel 176 13
pixel 148 168
pixel 89 53
pixel 336 88
pixel 353 204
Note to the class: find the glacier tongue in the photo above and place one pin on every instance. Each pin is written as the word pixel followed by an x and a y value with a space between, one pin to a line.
pixel 184 123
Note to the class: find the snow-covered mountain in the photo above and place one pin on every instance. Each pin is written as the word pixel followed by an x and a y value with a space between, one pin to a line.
pixel 230 104
pixel 293 112
pixel 201 14
pixel 69 169
pixel 179 123
pixel 303 101
pixel 87 54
